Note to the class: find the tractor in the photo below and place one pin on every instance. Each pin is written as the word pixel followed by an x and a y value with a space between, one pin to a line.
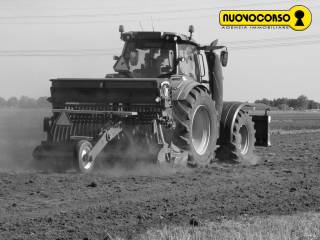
pixel 164 99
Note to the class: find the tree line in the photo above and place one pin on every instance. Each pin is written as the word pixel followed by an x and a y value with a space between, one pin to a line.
pixel 299 103
pixel 24 102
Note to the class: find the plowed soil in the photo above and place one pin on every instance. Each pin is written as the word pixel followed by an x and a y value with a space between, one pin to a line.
pixel 285 180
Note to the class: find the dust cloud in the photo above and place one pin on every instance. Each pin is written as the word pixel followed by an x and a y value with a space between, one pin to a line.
pixel 253 159
pixel 20 132
pixel 137 158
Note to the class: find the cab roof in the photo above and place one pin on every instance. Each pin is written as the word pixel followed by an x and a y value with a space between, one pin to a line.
pixel 126 36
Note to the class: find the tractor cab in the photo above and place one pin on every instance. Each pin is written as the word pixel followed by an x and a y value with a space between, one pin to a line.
pixel 147 59
pixel 159 55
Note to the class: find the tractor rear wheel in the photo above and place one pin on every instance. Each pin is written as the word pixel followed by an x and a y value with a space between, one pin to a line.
pixel 241 146
pixel 196 127
pixel 82 162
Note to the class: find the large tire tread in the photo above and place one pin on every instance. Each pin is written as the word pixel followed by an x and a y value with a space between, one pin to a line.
pixel 183 115
pixel 230 151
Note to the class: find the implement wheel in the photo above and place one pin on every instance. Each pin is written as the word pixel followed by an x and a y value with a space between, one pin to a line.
pixel 83 163
pixel 196 130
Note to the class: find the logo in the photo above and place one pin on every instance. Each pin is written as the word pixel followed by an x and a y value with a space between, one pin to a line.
pixel 298 18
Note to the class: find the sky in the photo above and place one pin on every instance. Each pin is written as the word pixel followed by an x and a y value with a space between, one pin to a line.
pixel 78 38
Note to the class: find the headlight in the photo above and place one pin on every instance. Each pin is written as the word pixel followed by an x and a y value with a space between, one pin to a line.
pixel 158 99
pixel 165 89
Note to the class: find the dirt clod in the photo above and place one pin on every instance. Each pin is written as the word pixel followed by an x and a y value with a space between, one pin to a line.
pixel 293 189
pixel 194 221
pixel 29 182
pixel 92 184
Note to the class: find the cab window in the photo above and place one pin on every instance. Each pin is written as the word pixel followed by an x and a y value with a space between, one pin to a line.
pixel 147 59
pixel 189 64
pixel 203 66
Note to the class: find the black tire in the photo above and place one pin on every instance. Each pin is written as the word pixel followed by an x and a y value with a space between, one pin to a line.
pixel 191 116
pixel 81 162
pixel 241 147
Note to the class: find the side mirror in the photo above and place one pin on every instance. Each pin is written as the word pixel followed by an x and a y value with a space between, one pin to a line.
pixel 116 58
pixel 191 30
pixel 121 29
pixel 224 58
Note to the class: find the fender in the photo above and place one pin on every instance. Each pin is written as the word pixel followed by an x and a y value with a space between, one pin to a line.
pixel 181 89
pixel 228 116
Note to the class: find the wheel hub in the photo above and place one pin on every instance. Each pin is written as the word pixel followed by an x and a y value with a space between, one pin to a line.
pixel 201 130
pixel 85 160
pixel 243 140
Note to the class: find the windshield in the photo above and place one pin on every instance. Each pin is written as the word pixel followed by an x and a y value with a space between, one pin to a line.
pixel 146 58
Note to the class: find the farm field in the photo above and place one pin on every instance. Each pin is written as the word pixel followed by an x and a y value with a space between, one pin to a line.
pixel 284 181
pixel 295 120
